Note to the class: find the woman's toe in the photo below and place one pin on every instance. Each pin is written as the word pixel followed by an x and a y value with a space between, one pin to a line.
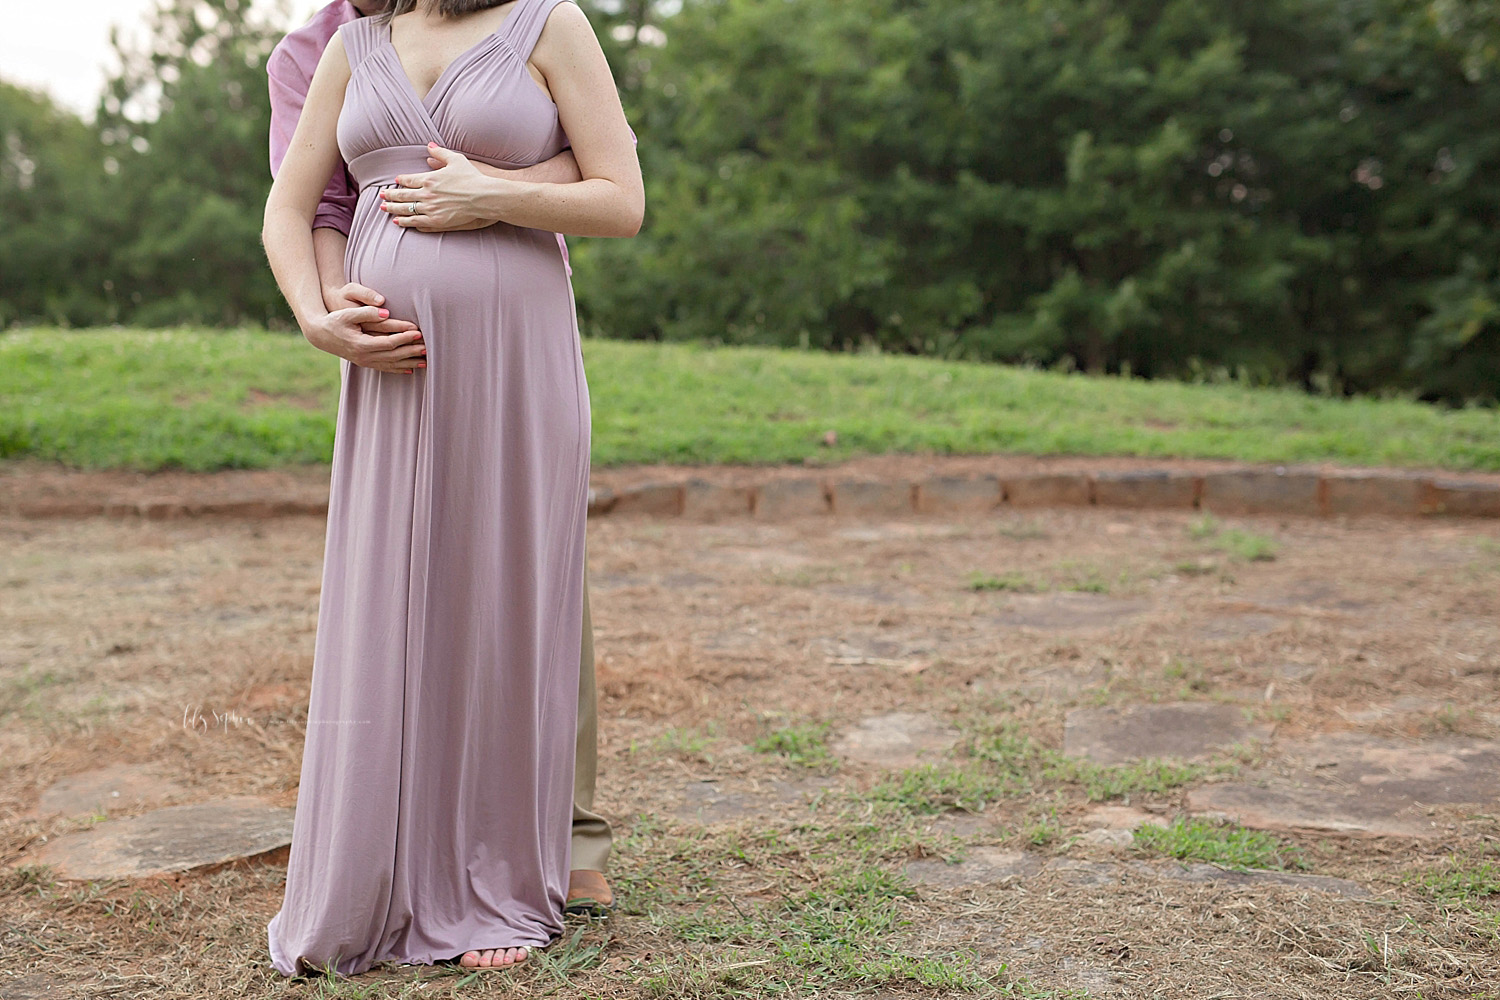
pixel 490 958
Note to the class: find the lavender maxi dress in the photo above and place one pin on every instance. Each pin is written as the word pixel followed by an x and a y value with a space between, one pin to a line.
pixel 435 808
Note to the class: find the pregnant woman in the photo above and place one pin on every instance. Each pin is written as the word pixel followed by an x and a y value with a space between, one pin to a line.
pixel 435 808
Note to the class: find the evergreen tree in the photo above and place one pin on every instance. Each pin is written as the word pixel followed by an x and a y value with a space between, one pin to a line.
pixel 186 121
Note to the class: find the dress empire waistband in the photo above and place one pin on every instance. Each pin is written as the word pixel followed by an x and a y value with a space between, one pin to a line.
pixel 381 167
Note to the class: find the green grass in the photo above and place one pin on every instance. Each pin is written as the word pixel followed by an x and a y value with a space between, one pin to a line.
pixel 936 788
pixel 1066 575
pixel 1014 582
pixel 832 913
pixel 1238 543
pixel 207 399
pixel 1087 578
pixel 1191 838
pixel 1008 764
pixel 804 745
pixel 1466 882
pixel 677 742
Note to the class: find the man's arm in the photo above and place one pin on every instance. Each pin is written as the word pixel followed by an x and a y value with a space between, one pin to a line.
pixel 329 245
pixel 561 169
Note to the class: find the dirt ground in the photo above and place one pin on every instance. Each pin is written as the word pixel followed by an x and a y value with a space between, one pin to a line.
pixel 118 638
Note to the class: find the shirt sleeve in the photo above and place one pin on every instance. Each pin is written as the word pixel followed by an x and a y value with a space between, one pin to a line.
pixel 286 108
pixel 288 92
pixel 336 210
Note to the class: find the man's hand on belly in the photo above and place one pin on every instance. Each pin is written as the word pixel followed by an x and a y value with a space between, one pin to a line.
pixel 354 294
pixel 360 335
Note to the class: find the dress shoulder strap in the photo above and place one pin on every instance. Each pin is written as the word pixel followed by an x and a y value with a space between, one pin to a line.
pixel 359 37
pixel 525 26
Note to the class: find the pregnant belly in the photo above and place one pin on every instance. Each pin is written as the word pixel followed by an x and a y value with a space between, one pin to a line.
pixel 461 272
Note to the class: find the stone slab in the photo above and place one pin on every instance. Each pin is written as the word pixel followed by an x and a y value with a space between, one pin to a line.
pixel 1121 818
pixel 703 500
pixel 1104 837
pixel 862 645
pixel 958 494
pixel 262 493
pixel 649 498
pixel 982 866
pixel 712 801
pixel 1356 784
pixel 1261 491
pixel 1463 498
pixel 113 788
pixel 174 839
pixel 1373 493
pixel 1068 609
pixel 1146 488
pixel 1281 807
pixel 1052 489
pixel 60 508
pixel 898 740
pixel 870 497
pixel 1197 871
pixel 790 496
pixel 1182 730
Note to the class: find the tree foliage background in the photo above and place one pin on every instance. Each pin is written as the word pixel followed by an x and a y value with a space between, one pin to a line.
pixel 1299 191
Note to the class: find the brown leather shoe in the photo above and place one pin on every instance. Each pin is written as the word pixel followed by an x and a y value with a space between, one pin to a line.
pixel 588 894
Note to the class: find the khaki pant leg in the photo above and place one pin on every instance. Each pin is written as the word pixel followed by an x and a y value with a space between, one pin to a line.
pixel 591 832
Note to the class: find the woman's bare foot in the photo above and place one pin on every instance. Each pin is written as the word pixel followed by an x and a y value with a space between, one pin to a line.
pixel 492 958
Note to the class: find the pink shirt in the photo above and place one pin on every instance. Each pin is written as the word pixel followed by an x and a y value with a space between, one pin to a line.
pixel 290 70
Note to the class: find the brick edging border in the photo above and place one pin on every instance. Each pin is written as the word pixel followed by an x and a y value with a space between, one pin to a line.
pixel 1244 490
pixel 1249 490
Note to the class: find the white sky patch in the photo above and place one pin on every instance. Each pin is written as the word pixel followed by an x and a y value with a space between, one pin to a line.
pixel 63 47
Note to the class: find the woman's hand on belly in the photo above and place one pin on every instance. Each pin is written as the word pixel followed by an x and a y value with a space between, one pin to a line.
pixel 343 333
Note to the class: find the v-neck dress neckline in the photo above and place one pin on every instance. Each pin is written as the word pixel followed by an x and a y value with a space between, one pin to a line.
pixel 499 34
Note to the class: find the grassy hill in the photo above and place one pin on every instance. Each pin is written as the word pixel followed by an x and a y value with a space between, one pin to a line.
pixel 210 399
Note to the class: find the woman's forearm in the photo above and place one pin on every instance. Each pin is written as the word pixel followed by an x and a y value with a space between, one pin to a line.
pixel 288 239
